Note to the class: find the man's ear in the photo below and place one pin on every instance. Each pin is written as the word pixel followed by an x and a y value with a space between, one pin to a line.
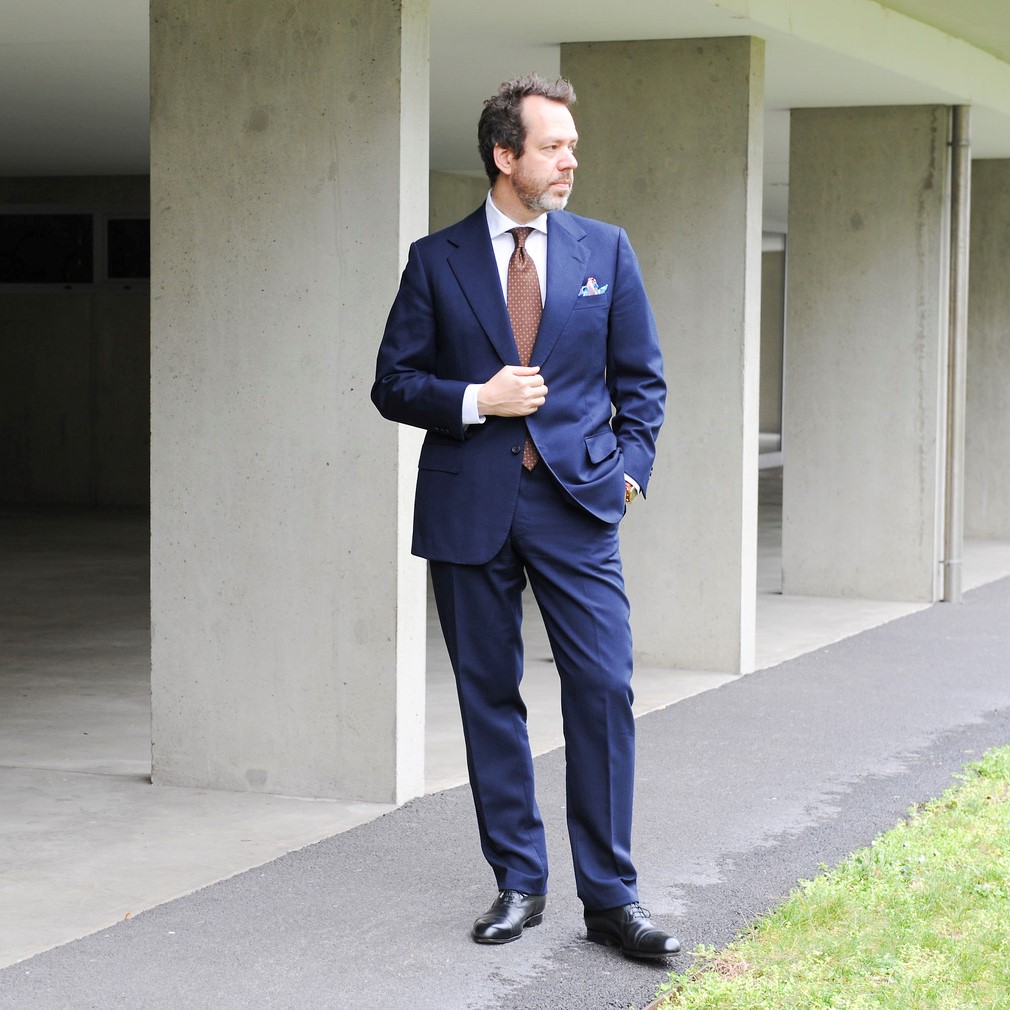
pixel 504 159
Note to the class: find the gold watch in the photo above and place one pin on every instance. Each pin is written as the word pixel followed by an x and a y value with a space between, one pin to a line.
pixel 630 493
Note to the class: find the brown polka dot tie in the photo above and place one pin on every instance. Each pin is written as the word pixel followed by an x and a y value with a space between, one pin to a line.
pixel 525 309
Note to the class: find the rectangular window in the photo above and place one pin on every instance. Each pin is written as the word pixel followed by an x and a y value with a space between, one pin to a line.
pixel 46 249
pixel 128 248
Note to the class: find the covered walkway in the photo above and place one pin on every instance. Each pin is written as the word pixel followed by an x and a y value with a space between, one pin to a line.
pixel 87 841
pixel 742 790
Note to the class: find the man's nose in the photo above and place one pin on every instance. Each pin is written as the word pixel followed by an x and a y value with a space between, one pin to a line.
pixel 568 162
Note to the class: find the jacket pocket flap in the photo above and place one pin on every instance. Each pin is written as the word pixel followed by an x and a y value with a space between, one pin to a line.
pixel 601 445
pixel 438 456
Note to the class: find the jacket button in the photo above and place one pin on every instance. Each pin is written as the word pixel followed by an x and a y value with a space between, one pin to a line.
pixel 516 449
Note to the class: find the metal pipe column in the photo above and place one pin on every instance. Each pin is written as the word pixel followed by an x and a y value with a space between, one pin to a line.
pixel 957 351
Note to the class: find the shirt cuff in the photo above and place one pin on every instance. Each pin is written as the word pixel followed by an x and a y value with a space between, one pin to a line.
pixel 633 483
pixel 470 414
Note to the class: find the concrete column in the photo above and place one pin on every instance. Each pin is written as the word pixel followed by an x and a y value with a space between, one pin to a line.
pixel 987 425
pixel 451 196
pixel 289 152
pixel 671 148
pixel 865 383
pixel 773 292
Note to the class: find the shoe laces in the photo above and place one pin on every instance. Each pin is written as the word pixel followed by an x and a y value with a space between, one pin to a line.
pixel 635 911
pixel 510 897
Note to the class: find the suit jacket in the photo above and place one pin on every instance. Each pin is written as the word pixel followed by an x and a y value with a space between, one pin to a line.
pixel 599 356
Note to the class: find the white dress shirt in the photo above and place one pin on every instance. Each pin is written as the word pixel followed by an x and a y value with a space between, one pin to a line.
pixel 503 244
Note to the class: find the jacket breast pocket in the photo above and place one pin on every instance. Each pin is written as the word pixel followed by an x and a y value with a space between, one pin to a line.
pixel 439 456
pixel 598 303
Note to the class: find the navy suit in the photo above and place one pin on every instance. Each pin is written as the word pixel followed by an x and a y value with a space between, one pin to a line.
pixel 486 524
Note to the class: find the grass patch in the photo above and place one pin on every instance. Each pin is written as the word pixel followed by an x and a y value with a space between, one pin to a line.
pixel 919 920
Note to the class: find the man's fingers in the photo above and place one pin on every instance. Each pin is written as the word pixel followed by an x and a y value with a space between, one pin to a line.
pixel 513 391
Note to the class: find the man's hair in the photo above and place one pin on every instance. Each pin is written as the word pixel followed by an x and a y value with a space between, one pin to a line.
pixel 501 123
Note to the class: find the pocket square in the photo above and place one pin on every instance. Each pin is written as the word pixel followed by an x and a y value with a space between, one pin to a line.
pixel 592 287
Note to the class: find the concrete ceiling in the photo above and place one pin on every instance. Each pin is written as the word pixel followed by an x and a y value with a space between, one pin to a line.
pixel 74 76
pixel 986 24
pixel 73 87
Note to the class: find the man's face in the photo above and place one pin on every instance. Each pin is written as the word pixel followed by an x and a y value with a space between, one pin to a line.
pixel 542 176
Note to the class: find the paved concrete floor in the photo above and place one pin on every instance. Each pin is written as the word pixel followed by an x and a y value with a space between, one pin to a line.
pixel 86 841
pixel 741 791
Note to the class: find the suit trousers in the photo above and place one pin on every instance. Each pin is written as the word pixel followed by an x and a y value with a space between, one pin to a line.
pixel 573 564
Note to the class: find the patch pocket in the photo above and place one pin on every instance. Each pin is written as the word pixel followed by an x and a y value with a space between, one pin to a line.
pixel 438 456
pixel 601 446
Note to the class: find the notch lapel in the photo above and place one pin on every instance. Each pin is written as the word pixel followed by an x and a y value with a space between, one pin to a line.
pixel 567 257
pixel 473 264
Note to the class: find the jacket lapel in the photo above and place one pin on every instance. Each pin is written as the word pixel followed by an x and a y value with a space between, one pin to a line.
pixel 567 257
pixel 473 264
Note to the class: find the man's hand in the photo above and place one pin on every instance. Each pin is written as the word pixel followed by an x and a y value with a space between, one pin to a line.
pixel 515 391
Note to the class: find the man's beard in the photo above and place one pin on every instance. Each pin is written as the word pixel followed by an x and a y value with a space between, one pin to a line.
pixel 542 200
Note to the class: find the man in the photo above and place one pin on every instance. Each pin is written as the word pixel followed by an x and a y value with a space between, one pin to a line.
pixel 521 339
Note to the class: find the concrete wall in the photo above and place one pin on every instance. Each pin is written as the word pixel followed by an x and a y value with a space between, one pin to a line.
pixel 451 196
pixel 987 434
pixel 773 294
pixel 74 400
pixel 289 171
pixel 866 320
pixel 671 148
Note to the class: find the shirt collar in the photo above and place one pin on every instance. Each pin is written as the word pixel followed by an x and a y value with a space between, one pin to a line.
pixel 499 224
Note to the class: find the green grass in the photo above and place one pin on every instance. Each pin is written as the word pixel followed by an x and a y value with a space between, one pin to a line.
pixel 919 920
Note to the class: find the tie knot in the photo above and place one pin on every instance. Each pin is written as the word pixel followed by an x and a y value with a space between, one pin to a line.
pixel 520 235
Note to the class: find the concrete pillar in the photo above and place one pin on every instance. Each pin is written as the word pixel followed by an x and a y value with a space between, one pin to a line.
pixel 987 426
pixel 773 292
pixel 671 148
pixel 451 196
pixel 289 149
pixel 865 385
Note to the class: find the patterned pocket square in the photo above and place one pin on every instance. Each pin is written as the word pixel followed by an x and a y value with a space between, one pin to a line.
pixel 592 287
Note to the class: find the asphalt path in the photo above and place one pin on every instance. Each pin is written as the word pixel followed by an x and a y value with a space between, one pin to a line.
pixel 741 792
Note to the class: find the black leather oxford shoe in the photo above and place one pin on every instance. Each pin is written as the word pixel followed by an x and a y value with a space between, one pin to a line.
pixel 629 928
pixel 508 916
